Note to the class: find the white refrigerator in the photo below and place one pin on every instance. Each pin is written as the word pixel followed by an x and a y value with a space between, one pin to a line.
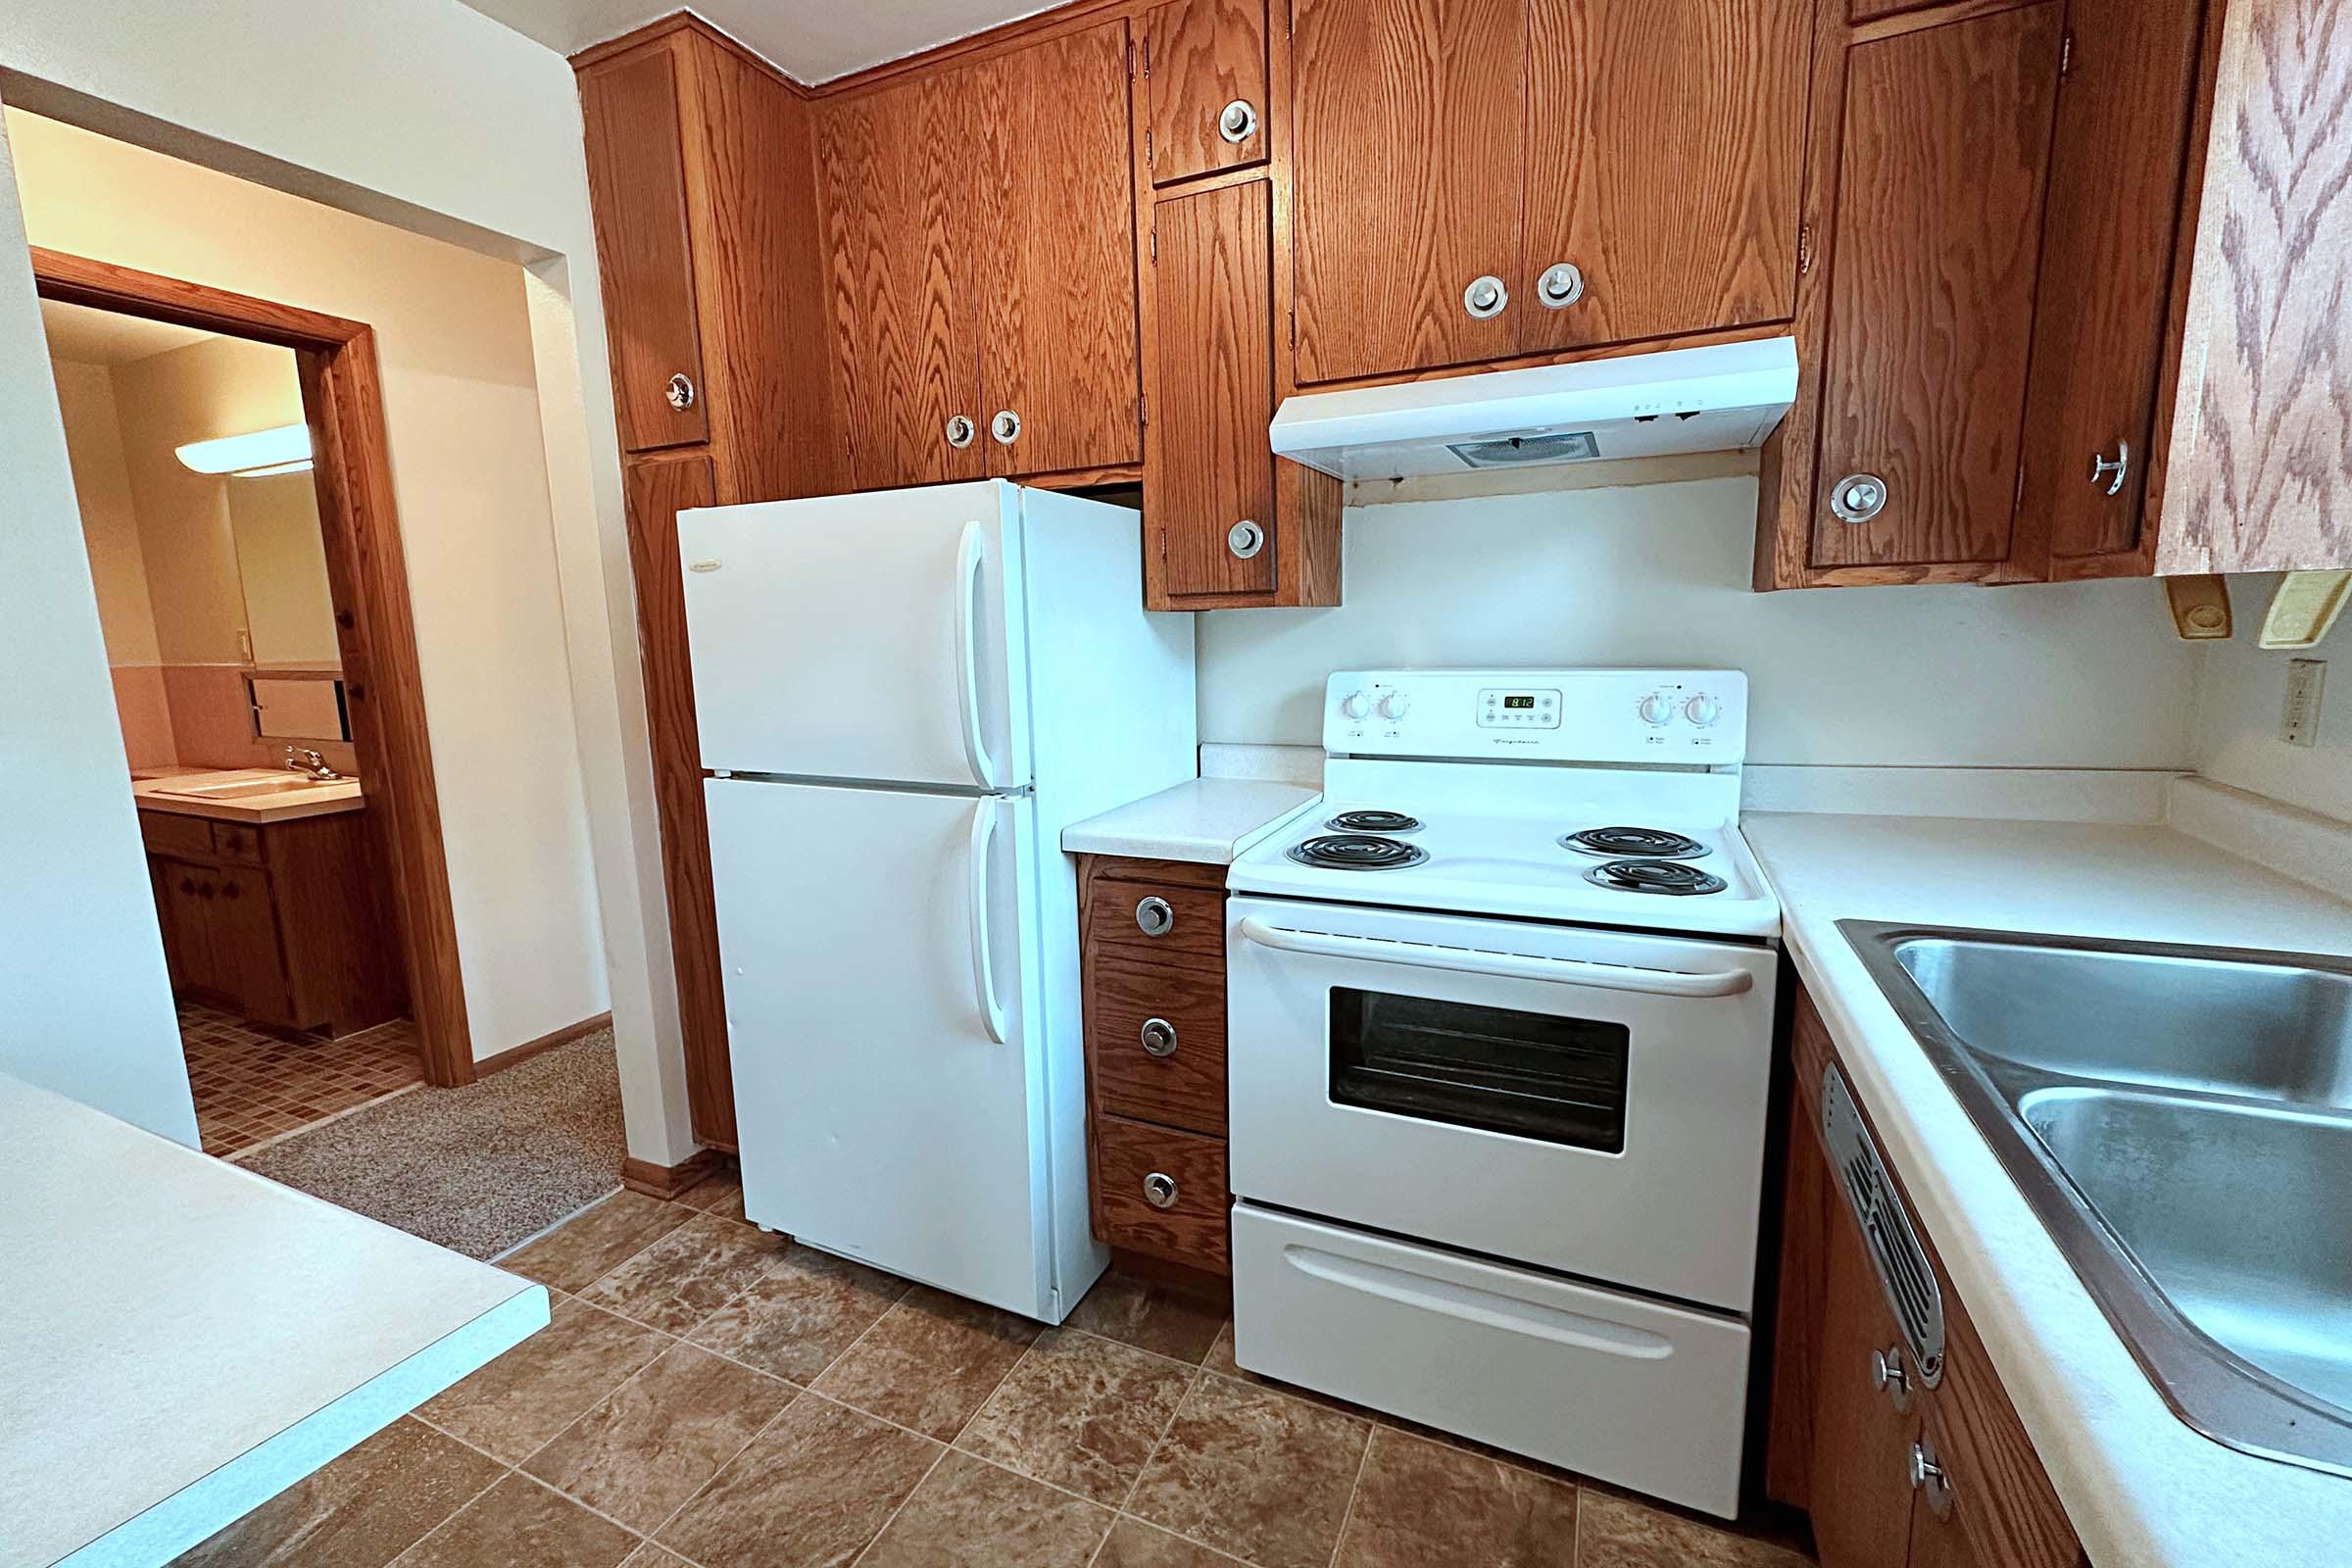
pixel 903 698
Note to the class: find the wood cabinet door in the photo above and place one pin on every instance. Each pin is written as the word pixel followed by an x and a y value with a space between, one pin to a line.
pixel 1407 163
pixel 2116 165
pixel 897 180
pixel 1055 232
pixel 1201 57
pixel 1665 154
pixel 1206 467
pixel 1937 235
pixel 637 188
pixel 187 934
pixel 249 958
pixel 1860 1476
pixel 659 488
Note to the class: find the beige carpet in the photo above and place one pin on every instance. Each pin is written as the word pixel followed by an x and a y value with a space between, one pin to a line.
pixel 478 1168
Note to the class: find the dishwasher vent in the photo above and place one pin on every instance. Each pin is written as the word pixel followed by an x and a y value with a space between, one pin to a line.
pixel 1902 1264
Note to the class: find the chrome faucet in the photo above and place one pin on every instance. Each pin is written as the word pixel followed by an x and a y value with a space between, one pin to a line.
pixel 302 759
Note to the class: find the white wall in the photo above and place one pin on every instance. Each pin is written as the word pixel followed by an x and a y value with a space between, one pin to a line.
pixel 428 116
pixel 2241 694
pixel 85 1006
pixel 2083 676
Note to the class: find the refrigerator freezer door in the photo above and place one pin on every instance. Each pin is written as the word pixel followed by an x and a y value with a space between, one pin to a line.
pixel 870 636
pixel 876 945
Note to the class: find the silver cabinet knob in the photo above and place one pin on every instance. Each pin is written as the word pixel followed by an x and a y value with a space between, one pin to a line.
pixel 1244 539
pixel 1858 498
pixel 1887 1376
pixel 1159 1038
pixel 1005 427
pixel 960 430
pixel 1928 1477
pixel 1154 917
pixel 1160 1190
pixel 1237 121
pixel 1486 297
pixel 1561 285
pixel 680 392
pixel 2112 469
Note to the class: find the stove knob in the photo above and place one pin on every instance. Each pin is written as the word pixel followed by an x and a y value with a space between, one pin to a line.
pixel 1656 709
pixel 1702 711
pixel 1356 705
pixel 1394 704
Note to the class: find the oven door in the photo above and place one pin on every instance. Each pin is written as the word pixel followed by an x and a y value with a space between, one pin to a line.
pixel 1590 1102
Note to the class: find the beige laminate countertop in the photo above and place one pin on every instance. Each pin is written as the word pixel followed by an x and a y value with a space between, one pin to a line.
pixel 282 806
pixel 2140 1486
pixel 1208 820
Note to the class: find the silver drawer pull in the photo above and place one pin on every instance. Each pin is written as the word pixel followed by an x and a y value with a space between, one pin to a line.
pixel 1160 1190
pixel 961 432
pixel 2112 471
pixel 680 392
pixel 1561 285
pixel 1236 123
pixel 1154 918
pixel 1486 297
pixel 1858 498
pixel 1005 427
pixel 1928 1477
pixel 1244 539
pixel 1159 1038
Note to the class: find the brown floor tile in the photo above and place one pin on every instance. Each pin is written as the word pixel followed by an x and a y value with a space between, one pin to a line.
pixel 650 1555
pixel 583 1249
pixel 520 1524
pixel 799 1316
pixel 809 1492
pixel 1220 1362
pixel 1136 1544
pixel 688 1274
pixel 360 1511
pixel 1619 1532
pixel 515 1403
pixel 649 1444
pixel 1420 1503
pixel 1080 1413
pixel 720 1192
pixel 930 1363
pixel 1255 1473
pixel 969 1514
pixel 1149 1316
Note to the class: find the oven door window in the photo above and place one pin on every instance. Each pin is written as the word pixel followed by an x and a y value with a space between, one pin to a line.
pixel 1530 1074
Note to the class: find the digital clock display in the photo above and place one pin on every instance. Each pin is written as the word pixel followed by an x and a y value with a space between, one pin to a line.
pixel 1519 701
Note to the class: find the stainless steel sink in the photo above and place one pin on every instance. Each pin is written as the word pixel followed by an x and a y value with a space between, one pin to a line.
pixel 2182 1121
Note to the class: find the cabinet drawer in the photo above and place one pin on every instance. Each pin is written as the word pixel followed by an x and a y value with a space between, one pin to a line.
pixel 1129 1157
pixel 1123 916
pixel 1184 1009
pixel 235 841
pixel 169 833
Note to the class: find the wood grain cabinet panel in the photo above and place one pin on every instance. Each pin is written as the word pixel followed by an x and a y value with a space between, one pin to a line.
pixel 1200 57
pixel 1861 1481
pixel 1053 224
pixel 898 186
pixel 1407 167
pixel 636 165
pixel 1131 1162
pixel 1940 186
pixel 1193 936
pixel 1665 150
pixel 1156 1039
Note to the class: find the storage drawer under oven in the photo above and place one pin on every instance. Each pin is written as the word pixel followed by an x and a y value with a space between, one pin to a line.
pixel 1633 1391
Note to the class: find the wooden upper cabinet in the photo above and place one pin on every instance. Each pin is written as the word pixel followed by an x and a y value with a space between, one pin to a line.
pixel 1939 192
pixel 897 193
pixel 1665 151
pixel 637 173
pixel 1053 244
pixel 1205 78
pixel 1407 165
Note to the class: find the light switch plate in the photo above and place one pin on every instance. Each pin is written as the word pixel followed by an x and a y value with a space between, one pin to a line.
pixel 2305 681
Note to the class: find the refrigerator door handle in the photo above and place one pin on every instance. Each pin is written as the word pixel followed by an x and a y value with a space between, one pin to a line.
pixel 971 556
pixel 984 975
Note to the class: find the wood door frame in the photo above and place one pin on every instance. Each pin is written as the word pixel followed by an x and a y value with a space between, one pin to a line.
pixel 342 400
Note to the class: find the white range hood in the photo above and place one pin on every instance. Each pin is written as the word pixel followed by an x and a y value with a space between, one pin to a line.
pixel 1719 398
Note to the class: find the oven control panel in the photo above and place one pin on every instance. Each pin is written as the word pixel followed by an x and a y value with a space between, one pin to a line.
pixel 1686 718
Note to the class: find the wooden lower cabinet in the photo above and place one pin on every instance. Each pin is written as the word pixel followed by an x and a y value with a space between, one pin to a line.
pixel 1850 1423
pixel 1152 958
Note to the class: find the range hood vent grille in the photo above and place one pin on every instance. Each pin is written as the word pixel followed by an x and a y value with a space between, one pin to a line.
pixel 1527 451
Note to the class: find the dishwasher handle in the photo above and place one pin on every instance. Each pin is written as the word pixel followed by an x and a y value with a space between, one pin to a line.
pixel 1505 965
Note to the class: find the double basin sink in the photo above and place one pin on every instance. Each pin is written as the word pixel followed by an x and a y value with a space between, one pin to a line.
pixel 2181 1119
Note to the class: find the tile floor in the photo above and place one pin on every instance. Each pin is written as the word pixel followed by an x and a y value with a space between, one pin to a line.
pixel 711 1396
pixel 250 1086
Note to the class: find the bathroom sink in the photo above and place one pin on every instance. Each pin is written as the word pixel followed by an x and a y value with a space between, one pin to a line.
pixel 244 786
pixel 2181 1119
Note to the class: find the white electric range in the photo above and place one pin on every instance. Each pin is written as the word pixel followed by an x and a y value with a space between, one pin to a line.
pixel 1501 1023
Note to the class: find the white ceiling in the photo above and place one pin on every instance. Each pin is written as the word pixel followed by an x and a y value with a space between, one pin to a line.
pixel 87 336
pixel 812 40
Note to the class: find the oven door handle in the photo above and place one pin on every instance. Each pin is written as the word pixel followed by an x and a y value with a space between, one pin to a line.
pixel 1507 966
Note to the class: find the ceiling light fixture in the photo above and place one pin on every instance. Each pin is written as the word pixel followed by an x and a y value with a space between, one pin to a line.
pixel 282 450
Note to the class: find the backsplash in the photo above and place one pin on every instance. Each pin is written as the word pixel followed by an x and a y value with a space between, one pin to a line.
pixel 2242 689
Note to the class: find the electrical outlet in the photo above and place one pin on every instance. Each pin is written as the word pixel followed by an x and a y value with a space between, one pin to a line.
pixel 2306 679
